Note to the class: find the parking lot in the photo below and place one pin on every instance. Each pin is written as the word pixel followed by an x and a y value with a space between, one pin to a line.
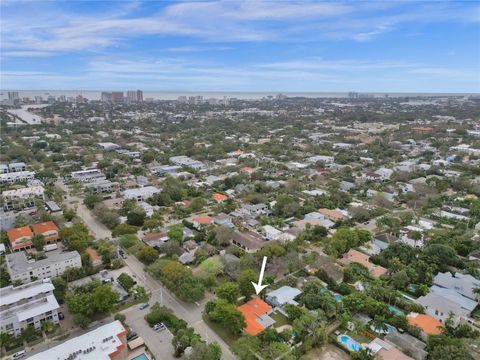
pixel 159 343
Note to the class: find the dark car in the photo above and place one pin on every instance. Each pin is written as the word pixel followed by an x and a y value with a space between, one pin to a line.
pixel 61 316
pixel 132 336
pixel 144 306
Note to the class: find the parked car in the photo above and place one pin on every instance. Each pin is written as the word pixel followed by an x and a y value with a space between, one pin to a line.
pixel 159 327
pixel 19 354
pixel 144 306
pixel 61 316
pixel 132 336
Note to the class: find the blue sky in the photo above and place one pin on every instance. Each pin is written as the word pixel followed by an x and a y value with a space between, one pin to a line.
pixel 233 45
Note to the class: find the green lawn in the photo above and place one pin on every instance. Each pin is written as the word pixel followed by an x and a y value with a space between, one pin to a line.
pixel 220 331
pixel 279 318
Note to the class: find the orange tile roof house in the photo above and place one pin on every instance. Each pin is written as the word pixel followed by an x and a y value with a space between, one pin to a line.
pixel 247 170
pixel 333 215
pixel 48 229
pixel 427 323
pixel 256 316
pixel 20 238
pixel 95 258
pixel 219 198
pixel 202 220
pixel 354 256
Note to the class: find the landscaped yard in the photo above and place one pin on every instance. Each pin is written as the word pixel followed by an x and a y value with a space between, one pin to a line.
pixel 279 318
pixel 223 333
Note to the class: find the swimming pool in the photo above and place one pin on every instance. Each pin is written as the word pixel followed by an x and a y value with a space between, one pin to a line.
pixel 388 329
pixel 338 297
pixel 396 310
pixel 349 343
pixel 141 357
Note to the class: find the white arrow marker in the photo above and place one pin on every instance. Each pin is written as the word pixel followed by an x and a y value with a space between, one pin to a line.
pixel 259 287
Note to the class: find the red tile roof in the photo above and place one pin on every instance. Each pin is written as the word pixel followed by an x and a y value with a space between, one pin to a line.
pixel 41 228
pixel 252 309
pixel 18 233
pixel 332 214
pixel 219 197
pixel 203 220
pixel 427 323
pixel 247 169
pixel 360 258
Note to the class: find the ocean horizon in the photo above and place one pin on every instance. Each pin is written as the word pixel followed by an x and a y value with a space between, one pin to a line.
pixel 173 95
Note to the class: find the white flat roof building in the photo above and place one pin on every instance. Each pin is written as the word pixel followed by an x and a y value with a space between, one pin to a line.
pixel 104 343
pixel 26 305
pixel 21 268
pixel 88 175
pixel 25 192
pixel 141 194
pixel 13 177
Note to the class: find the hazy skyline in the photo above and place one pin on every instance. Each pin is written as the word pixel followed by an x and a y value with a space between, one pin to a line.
pixel 241 46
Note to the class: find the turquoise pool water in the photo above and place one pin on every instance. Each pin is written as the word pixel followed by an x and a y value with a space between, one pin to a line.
pixel 338 297
pixel 141 357
pixel 349 343
pixel 388 330
pixel 396 310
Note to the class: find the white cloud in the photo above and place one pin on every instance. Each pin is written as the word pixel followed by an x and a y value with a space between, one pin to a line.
pixel 43 27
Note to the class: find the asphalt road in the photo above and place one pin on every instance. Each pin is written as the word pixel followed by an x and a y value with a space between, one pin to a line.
pixel 191 313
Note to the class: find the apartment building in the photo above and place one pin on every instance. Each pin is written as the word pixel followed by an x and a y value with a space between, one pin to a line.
pixel 22 198
pixel 21 238
pixel 17 166
pixel 26 305
pixel 48 229
pixel 88 175
pixel 102 186
pixel 140 194
pixel 107 342
pixel 21 268
pixel 13 177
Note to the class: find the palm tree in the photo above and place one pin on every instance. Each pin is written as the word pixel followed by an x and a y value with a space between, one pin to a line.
pixel 7 340
pixel 379 323
pixel 47 326
pixel 363 354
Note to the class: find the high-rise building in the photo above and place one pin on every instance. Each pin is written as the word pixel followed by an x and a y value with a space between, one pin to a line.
pixel 131 96
pixel 134 96
pixel 106 96
pixel 13 95
pixel 117 96
pixel 353 95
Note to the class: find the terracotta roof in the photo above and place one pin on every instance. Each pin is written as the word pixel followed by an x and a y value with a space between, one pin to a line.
pixel 247 169
pixel 360 258
pixel 93 254
pixel 427 323
pixel 251 310
pixel 17 233
pixel 219 197
pixel 332 214
pixel 203 220
pixel 41 228
pixel 392 354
